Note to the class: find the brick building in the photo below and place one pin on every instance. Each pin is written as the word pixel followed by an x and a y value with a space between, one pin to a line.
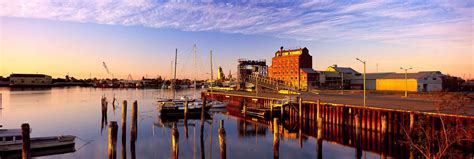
pixel 294 68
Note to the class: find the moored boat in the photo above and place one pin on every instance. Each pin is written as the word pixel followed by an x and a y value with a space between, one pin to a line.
pixel 11 143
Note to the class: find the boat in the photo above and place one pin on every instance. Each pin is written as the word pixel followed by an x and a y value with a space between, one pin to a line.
pixel 175 109
pixel 11 144
pixel 263 112
pixel 218 104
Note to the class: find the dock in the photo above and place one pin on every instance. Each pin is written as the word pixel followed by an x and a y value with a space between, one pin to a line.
pixel 386 115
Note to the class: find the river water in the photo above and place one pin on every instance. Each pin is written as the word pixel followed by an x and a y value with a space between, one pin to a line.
pixel 77 111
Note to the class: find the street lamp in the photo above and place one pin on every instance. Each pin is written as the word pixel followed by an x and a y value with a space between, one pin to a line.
pixel 406 80
pixel 365 96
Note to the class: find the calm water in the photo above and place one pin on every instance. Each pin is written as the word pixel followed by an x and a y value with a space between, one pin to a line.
pixel 77 111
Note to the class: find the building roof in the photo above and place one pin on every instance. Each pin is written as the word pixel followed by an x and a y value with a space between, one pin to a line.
pixel 346 70
pixel 29 75
pixel 291 52
pixel 411 75
pixel 309 70
pixel 393 75
pixel 329 74
pixel 372 75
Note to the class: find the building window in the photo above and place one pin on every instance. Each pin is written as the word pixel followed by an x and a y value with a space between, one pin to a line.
pixel 434 79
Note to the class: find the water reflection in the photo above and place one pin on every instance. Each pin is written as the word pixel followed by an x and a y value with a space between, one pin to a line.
pixel 175 141
pixel 104 121
pixel 245 137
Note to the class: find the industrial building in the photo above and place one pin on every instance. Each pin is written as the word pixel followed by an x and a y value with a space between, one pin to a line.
pixel 294 68
pixel 250 67
pixel 30 80
pixel 334 75
pixel 427 81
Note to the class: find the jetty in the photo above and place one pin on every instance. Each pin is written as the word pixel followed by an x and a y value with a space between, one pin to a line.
pixel 341 110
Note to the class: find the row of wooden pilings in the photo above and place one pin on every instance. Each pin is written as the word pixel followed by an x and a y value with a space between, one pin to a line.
pixel 113 128
pixel 367 118
pixel 365 123
pixel 113 131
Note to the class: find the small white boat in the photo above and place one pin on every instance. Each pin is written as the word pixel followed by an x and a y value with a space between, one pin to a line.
pixel 11 142
pixel 218 104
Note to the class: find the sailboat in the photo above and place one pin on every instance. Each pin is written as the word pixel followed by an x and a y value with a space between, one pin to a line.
pixel 176 107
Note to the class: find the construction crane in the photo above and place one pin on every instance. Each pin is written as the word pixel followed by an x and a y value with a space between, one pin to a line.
pixel 105 67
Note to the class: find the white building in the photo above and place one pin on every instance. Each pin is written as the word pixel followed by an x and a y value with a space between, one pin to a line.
pixel 427 81
pixel 30 80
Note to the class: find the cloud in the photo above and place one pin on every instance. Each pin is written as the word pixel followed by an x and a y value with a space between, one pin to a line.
pixel 385 21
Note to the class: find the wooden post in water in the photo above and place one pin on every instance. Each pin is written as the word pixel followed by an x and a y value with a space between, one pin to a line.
pixel 357 123
pixel 175 141
pixel 222 141
pixel 319 138
pixel 113 128
pixel 244 109
pixel 276 139
pixel 300 108
pixel 282 111
pixel 383 126
pixel 124 129
pixel 318 114
pixel 104 114
pixel 185 107
pixel 202 127
pixel 133 127
pixel 271 108
pixel 412 120
pixel 358 139
pixel 25 147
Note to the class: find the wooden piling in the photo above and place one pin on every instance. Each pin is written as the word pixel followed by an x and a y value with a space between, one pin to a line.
pixel 204 102
pixel 113 128
pixel 175 141
pixel 357 122
pixel 383 126
pixel 133 127
pixel 300 107
pixel 222 141
pixel 276 139
pixel 412 120
pixel 185 107
pixel 124 129
pixel 318 109
pixel 25 147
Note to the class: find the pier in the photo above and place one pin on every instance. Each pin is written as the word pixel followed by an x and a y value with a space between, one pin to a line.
pixel 384 118
pixel 376 129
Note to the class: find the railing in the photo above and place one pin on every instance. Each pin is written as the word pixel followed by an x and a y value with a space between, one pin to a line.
pixel 266 82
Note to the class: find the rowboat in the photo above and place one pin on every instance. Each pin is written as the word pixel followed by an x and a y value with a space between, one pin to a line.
pixel 11 143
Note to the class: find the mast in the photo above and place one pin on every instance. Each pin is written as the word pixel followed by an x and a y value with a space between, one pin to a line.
pixel 212 76
pixel 175 63
pixel 195 66
pixel 174 76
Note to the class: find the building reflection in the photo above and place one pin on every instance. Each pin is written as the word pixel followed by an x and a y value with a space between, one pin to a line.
pixel 250 129
pixel 361 140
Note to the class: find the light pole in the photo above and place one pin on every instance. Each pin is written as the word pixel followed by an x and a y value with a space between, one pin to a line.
pixel 365 96
pixel 406 80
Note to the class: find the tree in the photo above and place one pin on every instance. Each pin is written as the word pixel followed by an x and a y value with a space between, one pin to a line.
pixel 439 135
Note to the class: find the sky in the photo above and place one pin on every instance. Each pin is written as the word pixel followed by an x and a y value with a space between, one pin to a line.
pixel 60 37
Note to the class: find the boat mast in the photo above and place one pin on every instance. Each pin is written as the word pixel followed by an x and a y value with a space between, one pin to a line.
pixel 174 76
pixel 195 66
pixel 212 77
